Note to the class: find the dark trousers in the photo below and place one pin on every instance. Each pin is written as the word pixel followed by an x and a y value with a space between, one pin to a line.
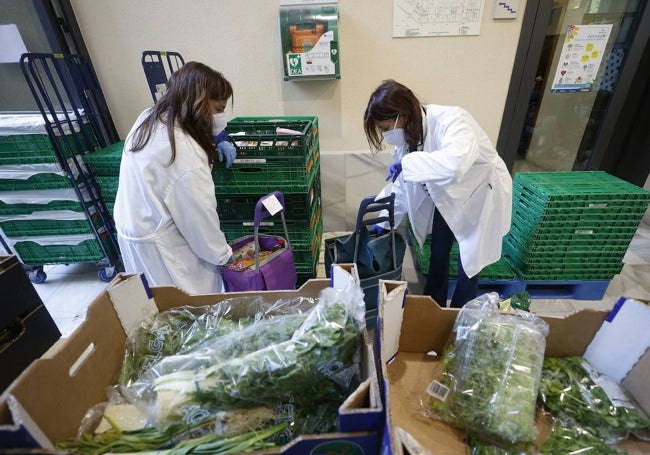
pixel 437 283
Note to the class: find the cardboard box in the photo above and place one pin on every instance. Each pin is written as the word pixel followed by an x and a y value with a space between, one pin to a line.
pixel 26 326
pixel 47 402
pixel 409 327
pixel 621 348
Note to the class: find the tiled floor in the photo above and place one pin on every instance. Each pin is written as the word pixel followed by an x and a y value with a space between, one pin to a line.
pixel 346 179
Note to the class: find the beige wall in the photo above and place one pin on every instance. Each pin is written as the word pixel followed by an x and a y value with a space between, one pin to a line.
pixel 241 39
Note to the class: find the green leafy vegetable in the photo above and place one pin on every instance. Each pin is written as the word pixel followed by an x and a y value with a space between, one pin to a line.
pixel 305 365
pixel 569 438
pixel 571 388
pixel 148 439
pixel 492 368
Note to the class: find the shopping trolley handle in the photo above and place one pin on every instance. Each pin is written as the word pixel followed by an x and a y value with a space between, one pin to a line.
pixel 370 205
pixel 261 211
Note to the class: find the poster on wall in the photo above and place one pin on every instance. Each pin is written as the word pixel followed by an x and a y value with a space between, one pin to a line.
pixel 414 18
pixel 582 54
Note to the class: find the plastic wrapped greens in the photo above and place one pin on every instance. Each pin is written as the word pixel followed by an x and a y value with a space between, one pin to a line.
pixel 301 366
pixel 492 368
pixel 571 388
pixel 183 329
pixel 567 437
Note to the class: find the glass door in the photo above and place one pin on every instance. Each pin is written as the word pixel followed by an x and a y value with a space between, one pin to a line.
pixel 583 51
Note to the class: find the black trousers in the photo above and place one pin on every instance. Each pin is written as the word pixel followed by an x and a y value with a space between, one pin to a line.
pixel 437 283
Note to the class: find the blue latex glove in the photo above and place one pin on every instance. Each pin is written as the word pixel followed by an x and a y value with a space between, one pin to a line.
pixel 394 170
pixel 222 136
pixel 226 151
pixel 377 230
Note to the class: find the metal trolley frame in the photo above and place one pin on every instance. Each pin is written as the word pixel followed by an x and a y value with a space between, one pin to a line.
pixel 67 92
pixel 158 66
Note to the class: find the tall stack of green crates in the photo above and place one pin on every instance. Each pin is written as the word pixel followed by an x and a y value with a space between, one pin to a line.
pixel 572 225
pixel 105 164
pixel 274 154
pixel 43 219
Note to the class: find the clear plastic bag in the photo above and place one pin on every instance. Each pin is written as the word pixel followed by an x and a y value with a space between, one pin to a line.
pixel 492 367
pixel 297 365
pixel 573 390
pixel 567 437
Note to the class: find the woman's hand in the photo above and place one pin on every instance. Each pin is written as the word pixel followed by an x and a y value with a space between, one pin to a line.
pixel 394 170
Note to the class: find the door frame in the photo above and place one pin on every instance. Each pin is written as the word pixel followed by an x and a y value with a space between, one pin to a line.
pixel 622 109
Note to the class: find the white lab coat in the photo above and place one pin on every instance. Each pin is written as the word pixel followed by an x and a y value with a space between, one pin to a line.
pixel 465 179
pixel 166 215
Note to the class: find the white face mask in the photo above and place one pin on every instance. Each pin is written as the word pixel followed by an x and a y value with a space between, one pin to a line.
pixel 219 123
pixel 395 136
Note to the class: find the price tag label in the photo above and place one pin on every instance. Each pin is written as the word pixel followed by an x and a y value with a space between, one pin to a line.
pixel 272 204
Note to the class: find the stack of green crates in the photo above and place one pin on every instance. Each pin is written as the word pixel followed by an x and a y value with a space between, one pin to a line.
pixel 499 271
pixel 105 164
pixel 274 154
pixel 572 225
pixel 42 217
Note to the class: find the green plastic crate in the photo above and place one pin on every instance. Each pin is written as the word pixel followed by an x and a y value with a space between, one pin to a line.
pixel 39 181
pixel 106 161
pixel 257 137
pixel 50 227
pixel 241 207
pixel 33 253
pixel 24 209
pixel 294 175
pixel 16 144
pixel 558 185
pixel 563 270
pixel 108 187
pixel 301 233
pixel 605 236
pixel 559 250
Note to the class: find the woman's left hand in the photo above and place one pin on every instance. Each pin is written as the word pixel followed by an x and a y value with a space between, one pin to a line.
pixel 394 170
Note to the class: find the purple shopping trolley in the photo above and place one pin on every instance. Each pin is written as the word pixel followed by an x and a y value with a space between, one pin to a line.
pixel 262 262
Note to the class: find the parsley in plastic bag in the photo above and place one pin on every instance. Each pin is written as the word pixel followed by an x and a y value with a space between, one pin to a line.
pixel 492 367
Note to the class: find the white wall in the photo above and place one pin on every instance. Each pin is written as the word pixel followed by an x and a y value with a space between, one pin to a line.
pixel 241 39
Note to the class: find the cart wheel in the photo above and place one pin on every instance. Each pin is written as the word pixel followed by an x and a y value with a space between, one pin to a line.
pixel 107 274
pixel 37 276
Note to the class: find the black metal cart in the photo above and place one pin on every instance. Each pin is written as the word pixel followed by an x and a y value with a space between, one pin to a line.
pixel 77 121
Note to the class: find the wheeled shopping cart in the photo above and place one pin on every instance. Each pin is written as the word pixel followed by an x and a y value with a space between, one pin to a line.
pixel 262 262
pixel 377 258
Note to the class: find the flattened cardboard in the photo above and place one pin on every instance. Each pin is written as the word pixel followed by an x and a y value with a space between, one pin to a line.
pixel 407 369
pixel 48 401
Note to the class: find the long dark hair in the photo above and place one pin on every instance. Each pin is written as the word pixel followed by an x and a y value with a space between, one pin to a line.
pixel 386 102
pixel 187 103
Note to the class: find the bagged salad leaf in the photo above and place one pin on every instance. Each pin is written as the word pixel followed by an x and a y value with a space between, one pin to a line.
pixel 492 366
pixel 183 329
pixel 567 437
pixel 571 388
pixel 295 367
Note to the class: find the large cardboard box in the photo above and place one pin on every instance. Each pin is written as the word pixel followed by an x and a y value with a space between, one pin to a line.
pixel 409 328
pixel 47 402
pixel 27 330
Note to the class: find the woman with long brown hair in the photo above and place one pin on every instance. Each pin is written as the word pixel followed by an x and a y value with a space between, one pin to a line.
pixel 166 208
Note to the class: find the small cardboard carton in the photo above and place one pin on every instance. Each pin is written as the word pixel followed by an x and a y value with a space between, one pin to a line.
pixel 410 327
pixel 27 330
pixel 48 401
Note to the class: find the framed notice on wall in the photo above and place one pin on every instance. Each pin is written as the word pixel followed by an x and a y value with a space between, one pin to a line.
pixel 581 57
pixel 415 18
